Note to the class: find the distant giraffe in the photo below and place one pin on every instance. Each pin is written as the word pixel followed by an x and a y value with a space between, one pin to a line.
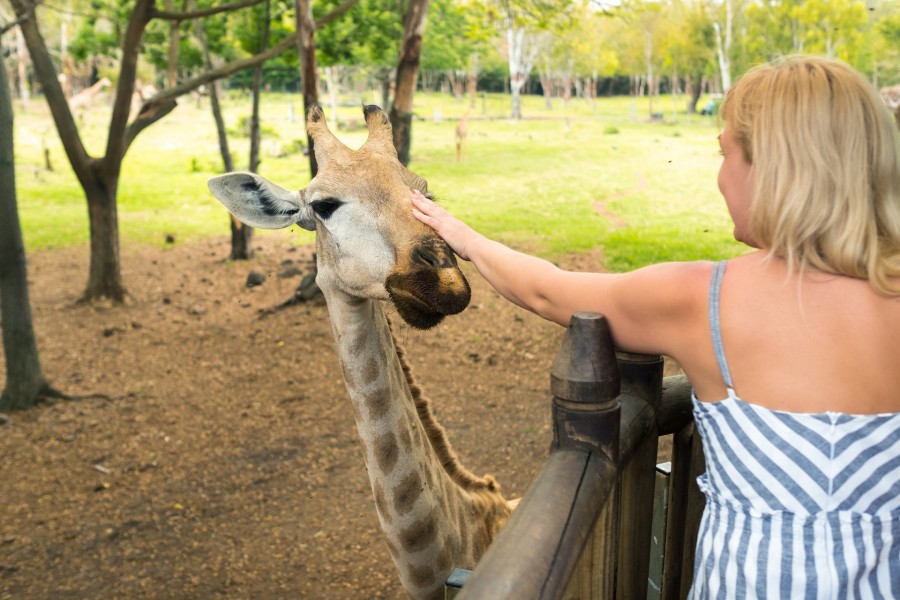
pixel 85 97
pixel 462 130
pixel 372 257
pixel 891 97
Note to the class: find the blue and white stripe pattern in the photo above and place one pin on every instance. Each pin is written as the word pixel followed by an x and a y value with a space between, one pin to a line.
pixel 798 505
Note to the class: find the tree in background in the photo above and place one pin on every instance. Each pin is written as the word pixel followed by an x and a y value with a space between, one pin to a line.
pixel 401 113
pixel 241 234
pixel 686 50
pixel 256 40
pixel 99 177
pixel 694 50
pixel 358 51
pixel 456 40
pixel 885 51
pixel 25 383
pixel 520 26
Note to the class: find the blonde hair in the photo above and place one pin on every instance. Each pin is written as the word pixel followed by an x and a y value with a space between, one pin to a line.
pixel 826 167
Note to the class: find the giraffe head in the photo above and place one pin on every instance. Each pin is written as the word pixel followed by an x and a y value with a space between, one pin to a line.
pixel 367 241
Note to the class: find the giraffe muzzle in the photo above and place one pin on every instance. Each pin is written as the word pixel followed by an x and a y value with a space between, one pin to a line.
pixel 429 287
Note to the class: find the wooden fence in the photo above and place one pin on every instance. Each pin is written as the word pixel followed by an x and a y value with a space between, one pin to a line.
pixel 586 527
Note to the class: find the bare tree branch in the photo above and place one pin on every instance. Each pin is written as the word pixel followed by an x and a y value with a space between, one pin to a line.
pixel 205 12
pixel 221 72
pixel 131 46
pixel 337 12
pixel 53 92
pixel 16 23
pixel 150 114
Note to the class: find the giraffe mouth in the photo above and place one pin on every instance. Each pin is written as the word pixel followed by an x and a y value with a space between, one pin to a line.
pixel 412 310
pixel 423 306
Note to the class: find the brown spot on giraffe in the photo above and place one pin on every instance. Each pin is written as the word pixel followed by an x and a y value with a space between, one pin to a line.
pixel 386 452
pixel 420 575
pixel 378 403
pixel 381 503
pixel 371 372
pixel 419 535
pixel 406 493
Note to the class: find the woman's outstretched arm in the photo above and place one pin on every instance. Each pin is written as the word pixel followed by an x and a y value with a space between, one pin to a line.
pixel 646 308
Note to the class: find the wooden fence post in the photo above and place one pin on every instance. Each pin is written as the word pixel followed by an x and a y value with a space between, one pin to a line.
pixel 641 395
pixel 536 555
pixel 585 384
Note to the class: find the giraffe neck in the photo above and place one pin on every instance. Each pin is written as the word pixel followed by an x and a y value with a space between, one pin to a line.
pixel 435 515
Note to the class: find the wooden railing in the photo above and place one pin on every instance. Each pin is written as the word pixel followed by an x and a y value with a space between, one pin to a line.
pixel 586 527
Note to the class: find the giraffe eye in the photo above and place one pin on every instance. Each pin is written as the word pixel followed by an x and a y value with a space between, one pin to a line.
pixel 325 208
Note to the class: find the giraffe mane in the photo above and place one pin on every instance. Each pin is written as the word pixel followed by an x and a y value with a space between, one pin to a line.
pixel 436 433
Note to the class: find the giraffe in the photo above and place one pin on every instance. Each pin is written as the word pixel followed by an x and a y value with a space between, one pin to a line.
pixel 85 97
pixel 462 130
pixel 891 96
pixel 370 251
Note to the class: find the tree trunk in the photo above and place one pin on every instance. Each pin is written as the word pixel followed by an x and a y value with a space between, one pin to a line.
pixel 255 134
pixel 105 276
pixel 407 74
pixel 723 48
pixel 25 383
pixel 332 79
pixel 174 46
pixel 515 88
pixel 240 234
pixel 520 64
pixel 306 44
pixel 22 53
pixel 385 79
pixel 695 83
pixel 547 85
pixel 472 80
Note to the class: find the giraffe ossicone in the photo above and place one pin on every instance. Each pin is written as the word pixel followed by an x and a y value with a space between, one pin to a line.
pixel 370 251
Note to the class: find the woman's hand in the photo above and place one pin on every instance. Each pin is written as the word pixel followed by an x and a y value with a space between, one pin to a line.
pixel 457 234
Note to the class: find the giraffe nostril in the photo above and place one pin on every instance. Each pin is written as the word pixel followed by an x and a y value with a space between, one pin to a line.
pixel 426 257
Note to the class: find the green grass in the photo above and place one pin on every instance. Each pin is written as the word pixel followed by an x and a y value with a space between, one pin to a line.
pixel 534 184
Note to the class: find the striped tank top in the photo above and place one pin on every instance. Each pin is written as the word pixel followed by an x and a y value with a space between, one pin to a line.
pixel 798 505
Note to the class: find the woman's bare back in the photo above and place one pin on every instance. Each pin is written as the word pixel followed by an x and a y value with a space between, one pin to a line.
pixel 805 343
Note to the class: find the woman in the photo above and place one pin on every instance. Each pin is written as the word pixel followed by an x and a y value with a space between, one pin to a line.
pixel 793 349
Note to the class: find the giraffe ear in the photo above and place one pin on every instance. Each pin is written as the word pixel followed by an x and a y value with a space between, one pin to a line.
pixel 260 203
pixel 413 181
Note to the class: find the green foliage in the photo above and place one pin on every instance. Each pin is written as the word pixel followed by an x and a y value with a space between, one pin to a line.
pixel 99 31
pixel 242 129
pixel 886 46
pixel 368 34
pixel 454 33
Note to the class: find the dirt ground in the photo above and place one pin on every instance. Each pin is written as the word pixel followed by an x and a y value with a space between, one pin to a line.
pixel 224 462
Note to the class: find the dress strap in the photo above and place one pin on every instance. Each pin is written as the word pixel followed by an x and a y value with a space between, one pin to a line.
pixel 715 288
